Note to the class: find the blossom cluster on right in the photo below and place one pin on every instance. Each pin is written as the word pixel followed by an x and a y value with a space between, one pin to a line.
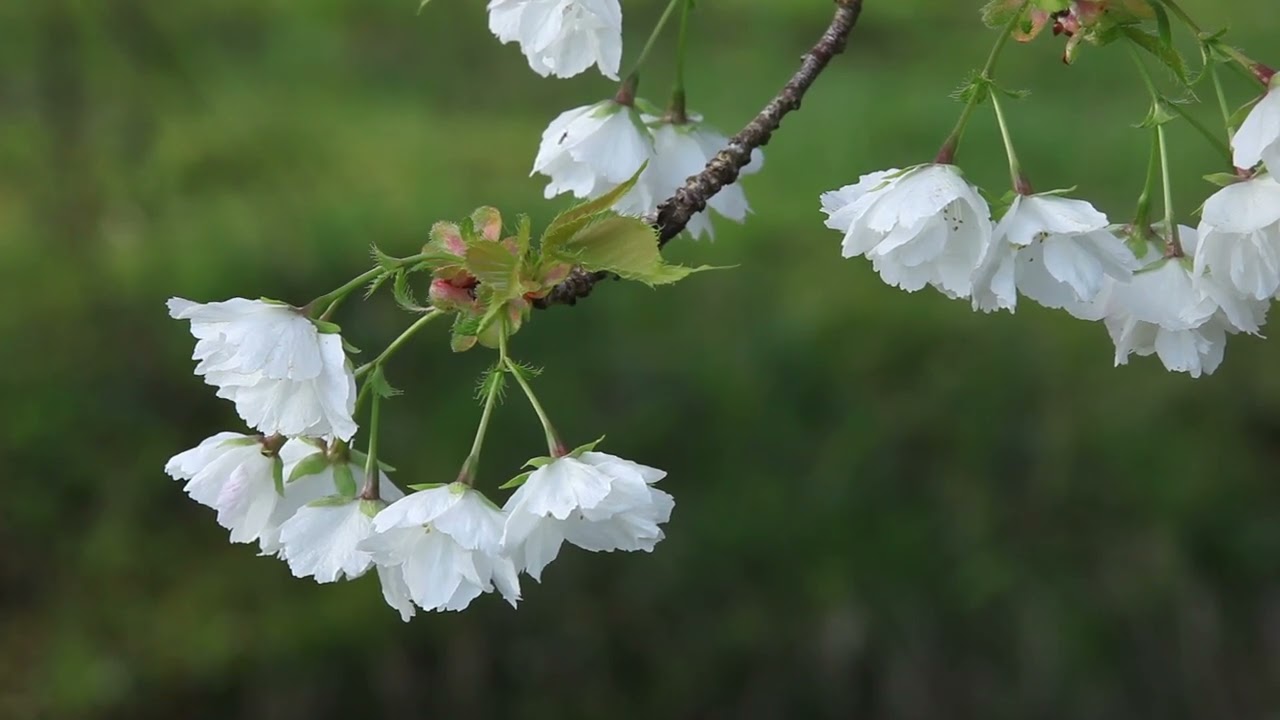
pixel 1159 287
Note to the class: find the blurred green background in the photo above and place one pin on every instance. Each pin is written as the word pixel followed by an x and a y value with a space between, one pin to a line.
pixel 888 506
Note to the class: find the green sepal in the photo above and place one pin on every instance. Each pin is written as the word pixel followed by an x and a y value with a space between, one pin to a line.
pixel 344 479
pixel 1238 117
pixel 463 335
pixel 325 327
pixel 277 474
pixel 333 501
pixel 1223 179
pixel 589 447
pixel 516 481
pixel 371 507
pixel 1158 115
pixel 403 294
pixel 426 486
pixel 349 348
pixel 378 382
pixel 538 462
pixel 273 301
pixel 313 464
pixel 240 442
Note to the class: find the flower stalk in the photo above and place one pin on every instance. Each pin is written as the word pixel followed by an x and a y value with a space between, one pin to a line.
pixel 947 154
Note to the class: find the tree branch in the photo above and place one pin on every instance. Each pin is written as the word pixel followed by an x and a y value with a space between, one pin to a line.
pixel 675 212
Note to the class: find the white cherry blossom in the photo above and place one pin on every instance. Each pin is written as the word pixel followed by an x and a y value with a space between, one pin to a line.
pixel 1240 238
pixel 922 226
pixel 320 540
pixel 596 501
pixel 235 475
pixel 446 543
pixel 282 373
pixel 590 150
pixel 1258 139
pixel 562 37
pixel 1054 250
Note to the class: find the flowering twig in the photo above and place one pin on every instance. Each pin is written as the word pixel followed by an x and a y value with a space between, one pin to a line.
pixel 675 212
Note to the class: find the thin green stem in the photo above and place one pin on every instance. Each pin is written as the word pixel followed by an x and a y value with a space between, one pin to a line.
pixel 1182 15
pixel 554 446
pixel 947 154
pixel 1171 226
pixel 677 112
pixel 329 301
pixel 1142 216
pixel 1021 184
pixel 372 473
pixel 427 317
pixel 468 473
pixel 1223 106
pixel 653 38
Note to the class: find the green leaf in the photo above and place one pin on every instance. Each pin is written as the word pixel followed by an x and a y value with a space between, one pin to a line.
pixel 344 479
pixel 567 223
pixel 496 267
pixel 332 501
pixel 313 464
pixel 625 246
pixel 516 481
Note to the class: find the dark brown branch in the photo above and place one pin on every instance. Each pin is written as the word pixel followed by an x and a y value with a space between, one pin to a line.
pixel 676 212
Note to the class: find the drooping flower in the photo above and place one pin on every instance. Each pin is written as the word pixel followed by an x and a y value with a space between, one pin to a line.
pixel 1162 312
pixel 284 375
pixel 320 540
pixel 1055 250
pixel 922 226
pixel 588 151
pixel 562 37
pixel 235 475
pixel 596 501
pixel 681 150
pixel 1240 238
pixel 1258 139
pixel 446 543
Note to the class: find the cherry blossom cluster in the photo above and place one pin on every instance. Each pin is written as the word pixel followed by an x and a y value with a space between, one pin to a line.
pixel 589 150
pixel 298 490
pixel 298 487
pixel 1159 287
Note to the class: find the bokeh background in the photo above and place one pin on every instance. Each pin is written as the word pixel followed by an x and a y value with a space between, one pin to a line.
pixel 888 506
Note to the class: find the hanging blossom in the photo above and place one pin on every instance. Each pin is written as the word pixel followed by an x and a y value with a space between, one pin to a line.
pixel 922 226
pixel 445 543
pixel 284 375
pixel 590 150
pixel 562 37
pixel 236 475
pixel 1163 311
pixel 1240 238
pixel 680 151
pixel 596 501
pixel 1054 250
pixel 1258 139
